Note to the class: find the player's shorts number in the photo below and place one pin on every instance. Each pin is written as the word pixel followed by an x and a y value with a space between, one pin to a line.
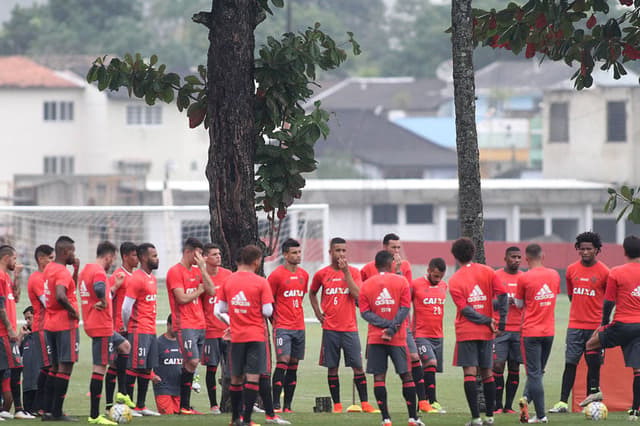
pixel 422 349
pixel 142 351
pixel 207 349
pixel 188 344
pixel 279 341
pixel 16 350
pixel 110 346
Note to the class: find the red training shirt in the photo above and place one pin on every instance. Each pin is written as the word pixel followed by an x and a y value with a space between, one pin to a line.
pixel 586 286
pixel 35 289
pixel 56 317
pixel 384 294
pixel 245 293
pixel 215 328
pixel 189 315
pixel 288 290
pixel 514 314
pixel 623 288
pixel 144 289
pixel 428 307
pixel 118 297
pixel 338 306
pixel 369 270
pixel 6 290
pixel 474 285
pixel 96 323
pixel 538 288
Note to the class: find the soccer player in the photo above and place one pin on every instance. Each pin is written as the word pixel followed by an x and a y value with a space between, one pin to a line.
pixel 139 320
pixel 35 289
pixel 391 243
pixel 167 372
pixel 472 288
pixel 428 294
pixel 385 302
pixel 97 316
pixel 248 300
pixel 507 345
pixel 9 347
pixel 623 293
pixel 288 285
pixel 129 258
pixel 185 285
pixel 536 292
pixel 61 322
pixel 29 374
pixel 340 286
pixel 586 284
pixel 215 347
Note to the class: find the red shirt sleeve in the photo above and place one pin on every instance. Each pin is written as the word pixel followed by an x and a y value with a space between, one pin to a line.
pixel 132 288
pixel 174 280
pixel 3 284
pixel 266 296
pixel 405 296
pixel 520 289
pixel 317 282
pixel 612 288
pixel 221 294
pixel 61 279
pixel 100 276
pixel 355 274
pixel 569 283
pixel 273 282
pixel 496 283
pixel 457 297
pixel 363 301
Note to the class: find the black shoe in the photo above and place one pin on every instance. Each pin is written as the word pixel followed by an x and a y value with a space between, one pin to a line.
pixel 64 418
pixel 46 417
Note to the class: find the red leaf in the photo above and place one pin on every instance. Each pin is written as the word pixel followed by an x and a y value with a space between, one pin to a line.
pixel 531 50
pixel 626 2
pixel 196 117
pixel 591 22
pixel 282 212
pixel 492 23
pixel 541 21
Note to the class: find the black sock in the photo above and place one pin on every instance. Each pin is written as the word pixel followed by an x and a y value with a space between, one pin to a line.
pixel 594 360
pixel 636 391
pixel 430 383
pixel 409 394
pixel 28 397
pixel 499 381
pixel 334 388
pixel 418 380
pixel 489 388
pixel 48 399
pixel 471 392
pixel 131 382
pixel 361 385
pixel 249 396
pixel 265 394
pixel 16 374
pixel 185 389
pixel 380 392
pixel 60 392
pixel 278 381
pixel 236 401
pixel 110 386
pixel 95 389
pixel 211 385
pixel 42 383
pixel 143 386
pixel 513 380
pixel 568 378
pixel 290 381
pixel 121 368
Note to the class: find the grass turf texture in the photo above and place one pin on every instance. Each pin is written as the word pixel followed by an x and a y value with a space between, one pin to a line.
pixel 312 382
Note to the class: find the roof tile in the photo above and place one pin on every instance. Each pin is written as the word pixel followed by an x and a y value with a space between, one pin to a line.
pixel 21 72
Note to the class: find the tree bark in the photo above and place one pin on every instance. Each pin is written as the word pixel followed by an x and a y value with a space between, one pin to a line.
pixel 469 190
pixel 232 134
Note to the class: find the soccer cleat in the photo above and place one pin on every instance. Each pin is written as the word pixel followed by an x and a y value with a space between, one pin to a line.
pixel 560 407
pixel 424 406
pixel 134 413
pixel 6 415
pixel 368 408
pixel 416 422
pixel 498 411
pixel 488 421
pixel 524 409
pixel 386 422
pixel 257 409
pixel 475 422
pixel 101 420
pixel 437 408
pixel 597 396
pixel 508 411
pixel 276 420
pixel 63 418
pixel 23 415
pixel 287 410
pixel 634 415
pixel 125 399
pixel 534 419
pixel 186 411
pixel 337 407
pixel 146 412
pixel 215 410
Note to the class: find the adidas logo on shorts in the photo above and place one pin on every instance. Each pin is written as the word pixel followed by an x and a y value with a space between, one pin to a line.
pixel 476 295
pixel 385 298
pixel 240 300
pixel 545 293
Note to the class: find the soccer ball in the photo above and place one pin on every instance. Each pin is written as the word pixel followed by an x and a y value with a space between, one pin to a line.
pixel 596 410
pixel 120 413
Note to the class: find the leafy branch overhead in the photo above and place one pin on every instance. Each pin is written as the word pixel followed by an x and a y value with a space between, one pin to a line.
pixel 285 132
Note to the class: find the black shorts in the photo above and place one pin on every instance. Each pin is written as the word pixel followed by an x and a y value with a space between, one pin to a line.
pixel 64 345
pixel 411 343
pixel 248 358
pixel 144 351
pixel 576 344
pixel 41 350
pixel 474 353
pixel 625 335
pixel 9 354
pixel 104 349
pixel 212 351
pixel 430 348
pixel 289 343
pixel 190 341
pixel 377 357
pixel 507 347
pixel 333 341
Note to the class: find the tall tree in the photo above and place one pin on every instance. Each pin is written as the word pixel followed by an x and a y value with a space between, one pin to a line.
pixel 469 189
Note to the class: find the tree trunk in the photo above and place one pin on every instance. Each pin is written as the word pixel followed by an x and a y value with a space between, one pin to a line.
pixel 232 135
pixel 469 191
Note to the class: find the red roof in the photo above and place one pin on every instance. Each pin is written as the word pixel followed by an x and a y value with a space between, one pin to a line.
pixel 18 71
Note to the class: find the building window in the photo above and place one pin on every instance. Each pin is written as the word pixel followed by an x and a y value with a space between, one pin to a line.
pixel 616 121
pixel 144 115
pixel 58 111
pixel 559 122
pixel 59 165
pixel 566 229
pixel 606 228
pixel 495 229
pixel 385 214
pixel 419 213
pixel 531 229
pixel 453 229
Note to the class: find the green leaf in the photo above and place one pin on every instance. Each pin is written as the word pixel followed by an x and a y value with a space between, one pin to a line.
pixel 278 3
pixel 622 212
pixel 612 191
pixel 634 216
pixel 625 191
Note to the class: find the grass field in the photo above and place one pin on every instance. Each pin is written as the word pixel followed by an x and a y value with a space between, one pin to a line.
pixel 312 383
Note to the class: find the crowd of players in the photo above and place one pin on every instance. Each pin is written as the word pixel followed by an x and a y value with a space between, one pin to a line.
pixel 504 318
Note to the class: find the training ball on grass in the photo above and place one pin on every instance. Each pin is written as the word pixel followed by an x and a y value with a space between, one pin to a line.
pixel 120 413
pixel 596 411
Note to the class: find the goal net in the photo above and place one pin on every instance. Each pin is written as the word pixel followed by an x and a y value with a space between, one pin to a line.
pixel 26 227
